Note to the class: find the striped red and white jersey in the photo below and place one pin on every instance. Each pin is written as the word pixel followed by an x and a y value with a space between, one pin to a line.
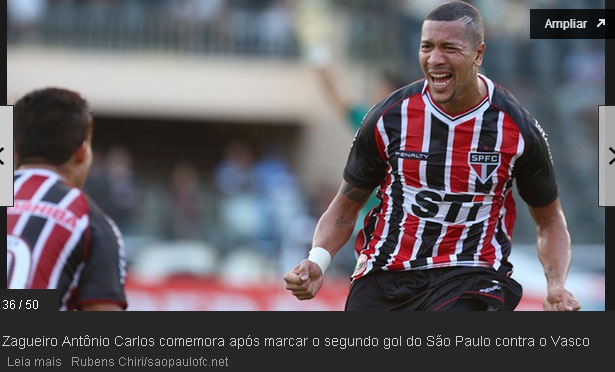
pixel 445 181
pixel 57 238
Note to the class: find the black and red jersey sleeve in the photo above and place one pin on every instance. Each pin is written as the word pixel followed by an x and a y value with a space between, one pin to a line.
pixel 533 171
pixel 104 274
pixel 365 167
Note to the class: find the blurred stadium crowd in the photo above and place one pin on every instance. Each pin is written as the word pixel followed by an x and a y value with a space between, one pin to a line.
pixel 250 207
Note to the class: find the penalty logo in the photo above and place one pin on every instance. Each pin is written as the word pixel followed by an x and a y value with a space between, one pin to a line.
pixel 484 164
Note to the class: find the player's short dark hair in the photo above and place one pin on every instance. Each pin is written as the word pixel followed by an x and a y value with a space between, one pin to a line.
pixel 49 125
pixel 460 10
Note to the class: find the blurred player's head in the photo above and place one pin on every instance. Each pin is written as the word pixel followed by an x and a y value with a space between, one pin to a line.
pixel 389 81
pixel 53 128
pixel 451 51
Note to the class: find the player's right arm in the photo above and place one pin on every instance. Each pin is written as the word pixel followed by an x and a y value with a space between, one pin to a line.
pixel 333 230
pixel 364 170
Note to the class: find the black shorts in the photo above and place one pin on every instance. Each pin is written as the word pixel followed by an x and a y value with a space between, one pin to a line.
pixel 433 290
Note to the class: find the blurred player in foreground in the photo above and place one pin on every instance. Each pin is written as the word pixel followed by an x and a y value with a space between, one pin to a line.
pixel 443 152
pixel 57 238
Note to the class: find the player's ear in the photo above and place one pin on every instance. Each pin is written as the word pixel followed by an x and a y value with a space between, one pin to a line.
pixel 80 155
pixel 480 52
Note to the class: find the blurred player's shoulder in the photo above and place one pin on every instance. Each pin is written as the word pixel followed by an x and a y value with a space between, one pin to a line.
pixel 42 185
pixel 100 219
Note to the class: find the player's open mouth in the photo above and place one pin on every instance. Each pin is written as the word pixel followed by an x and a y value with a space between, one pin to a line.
pixel 441 80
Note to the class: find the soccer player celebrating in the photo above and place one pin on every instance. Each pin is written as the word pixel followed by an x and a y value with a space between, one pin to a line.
pixel 443 152
pixel 57 237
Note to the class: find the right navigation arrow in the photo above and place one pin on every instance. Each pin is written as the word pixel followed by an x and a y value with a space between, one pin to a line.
pixel 613 151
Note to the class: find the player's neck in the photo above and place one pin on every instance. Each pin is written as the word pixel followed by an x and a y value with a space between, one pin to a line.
pixel 472 96
pixel 61 170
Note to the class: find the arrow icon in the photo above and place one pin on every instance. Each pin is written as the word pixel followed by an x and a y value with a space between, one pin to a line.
pixel 601 22
pixel 1 149
pixel 613 151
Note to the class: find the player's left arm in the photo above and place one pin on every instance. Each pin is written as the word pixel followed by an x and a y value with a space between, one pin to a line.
pixel 537 185
pixel 101 285
pixel 554 253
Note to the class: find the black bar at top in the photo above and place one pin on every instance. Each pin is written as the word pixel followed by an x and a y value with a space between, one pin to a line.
pixel 571 23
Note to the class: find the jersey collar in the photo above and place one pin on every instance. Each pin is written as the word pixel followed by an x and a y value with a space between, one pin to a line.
pixel 490 86
pixel 39 171
pixel 462 117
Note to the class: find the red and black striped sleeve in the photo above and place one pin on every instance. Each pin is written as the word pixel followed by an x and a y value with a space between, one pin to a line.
pixel 366 167
pixel 533 171
pixel 104 274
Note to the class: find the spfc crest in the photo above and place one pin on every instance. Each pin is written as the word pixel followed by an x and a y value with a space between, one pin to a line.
pixel 484 164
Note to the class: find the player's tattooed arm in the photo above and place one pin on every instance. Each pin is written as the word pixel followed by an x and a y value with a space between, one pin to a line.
pixel 354 193
pixel 344 223
pixel 553 242
pixel 554 253
pixel 549 273
pixel 336 225
pixel 358 197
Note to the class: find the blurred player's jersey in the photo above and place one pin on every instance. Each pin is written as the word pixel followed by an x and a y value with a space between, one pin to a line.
pixel 59 239
pixel 445 182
